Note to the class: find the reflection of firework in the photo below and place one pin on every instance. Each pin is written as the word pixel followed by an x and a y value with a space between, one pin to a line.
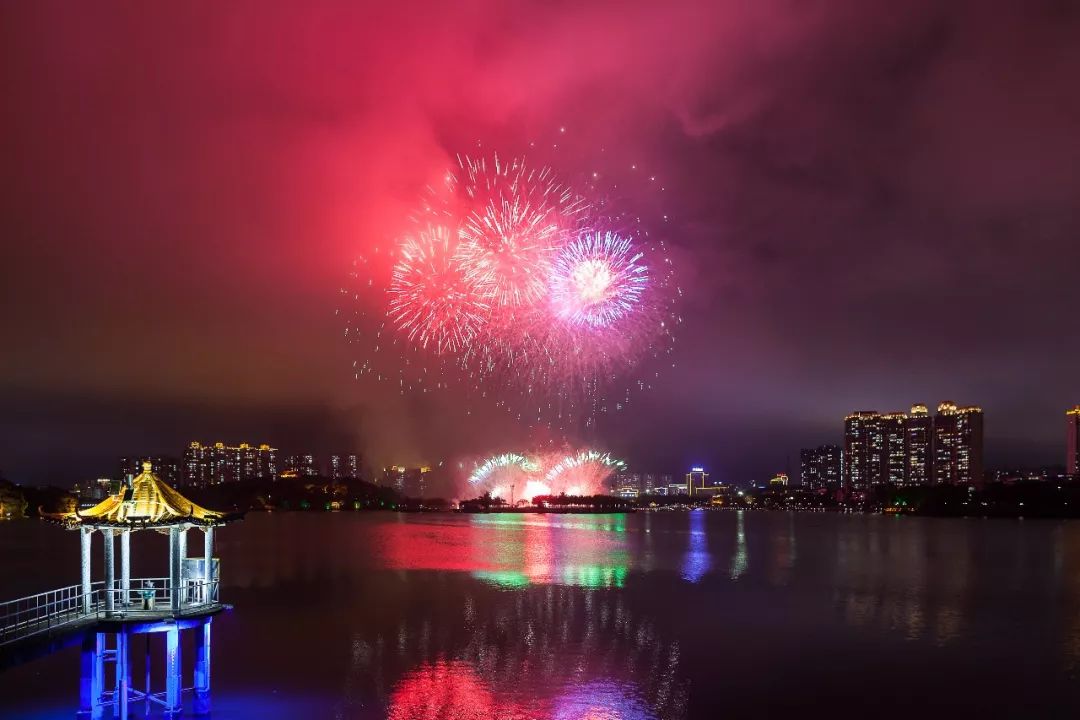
pixel 597 279
pixel 625 665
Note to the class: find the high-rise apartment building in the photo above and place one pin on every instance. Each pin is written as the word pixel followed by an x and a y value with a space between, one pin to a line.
pixel 864 447
pixel 919 442
pixel 915 448
pixel 894 448
pixel 165 467
pixel 1072 441
pixel 412 482
pixel 220 463
pixel 344 467
pixel 820 467
pixel 301 466
pixel 958 445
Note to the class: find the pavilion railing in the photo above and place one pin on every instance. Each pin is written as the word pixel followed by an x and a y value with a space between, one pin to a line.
pixel 43 611
pixel 147 597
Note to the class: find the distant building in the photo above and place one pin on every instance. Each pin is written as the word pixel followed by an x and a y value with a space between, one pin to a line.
pixel 623 482
pixel 958 445
pixel 820 467
pixel 91 492
pixel 411 482
pixel 344 467
pixel 864 447
pixel 894 448
pixel 220 463
pixel 913 449
pixel 301 466
pixel 676 489
pixel 697 479
pixel 919 442
pixel 779 480
pixel 1072 441
pixel 168 469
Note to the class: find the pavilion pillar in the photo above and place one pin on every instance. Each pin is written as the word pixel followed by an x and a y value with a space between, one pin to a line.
pixel 174 567
pixel 123 673
pixel 125 567
pixel 91 676
pixel 85 536
pixel 110 571
pixel 172 670
pixel 208 564
pixel 202 668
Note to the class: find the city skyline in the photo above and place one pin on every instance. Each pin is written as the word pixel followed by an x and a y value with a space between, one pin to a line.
pixel 916 431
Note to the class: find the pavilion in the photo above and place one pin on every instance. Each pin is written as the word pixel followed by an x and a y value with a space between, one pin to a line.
pixel 186 599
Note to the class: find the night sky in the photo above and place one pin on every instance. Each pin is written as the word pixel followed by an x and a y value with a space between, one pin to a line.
pixel 872 204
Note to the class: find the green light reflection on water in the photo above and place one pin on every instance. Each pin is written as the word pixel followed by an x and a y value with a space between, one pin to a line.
pixel 511 553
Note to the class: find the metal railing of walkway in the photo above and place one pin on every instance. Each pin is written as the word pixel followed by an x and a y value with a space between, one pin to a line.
pixel 68 607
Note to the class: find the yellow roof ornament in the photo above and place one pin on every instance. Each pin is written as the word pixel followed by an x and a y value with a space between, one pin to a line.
pixel 145 502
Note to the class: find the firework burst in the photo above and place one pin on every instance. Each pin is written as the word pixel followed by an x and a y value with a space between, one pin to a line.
pixel 526 476
pixel 516 224
pixel 520 291
pixel 432 300
pixel 597 279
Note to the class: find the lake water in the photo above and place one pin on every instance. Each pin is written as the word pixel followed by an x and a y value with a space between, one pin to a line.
pixel 649 615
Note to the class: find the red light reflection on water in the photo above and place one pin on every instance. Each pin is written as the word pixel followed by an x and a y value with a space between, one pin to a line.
pixel 454 690
pixel 513 550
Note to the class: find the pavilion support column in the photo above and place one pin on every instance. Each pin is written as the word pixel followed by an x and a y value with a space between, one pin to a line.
pixel 85 536
pixel 123 673
pixel 208 564
pixel 172 670
pixel 174 567
pixel 110 572
pixel 91 676
pixel 202 668
pixel 125 567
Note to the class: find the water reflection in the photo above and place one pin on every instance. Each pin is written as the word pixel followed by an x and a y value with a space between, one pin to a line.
pixel 554 651
pixel 740 559
pixel 519 616
pixel 697 561
pixel 513 551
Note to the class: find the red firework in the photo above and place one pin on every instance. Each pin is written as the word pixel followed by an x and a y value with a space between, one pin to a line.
pixel 515 223
pixel 432 300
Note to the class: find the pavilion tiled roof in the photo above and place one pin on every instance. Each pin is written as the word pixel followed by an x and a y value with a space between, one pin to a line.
pixel 147 502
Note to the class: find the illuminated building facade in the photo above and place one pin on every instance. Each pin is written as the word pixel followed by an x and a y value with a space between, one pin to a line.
pixel 919 442
pixel 301 466
pixel 864 446
pixel 1072 441
pixel 344 467
pixel 820 467
pixel 169 469
pixel 958 445
pixel 411 482
pixel 220 463
pixel 696 480
pixel 779 480
pixel 911 449
pixel 894 448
